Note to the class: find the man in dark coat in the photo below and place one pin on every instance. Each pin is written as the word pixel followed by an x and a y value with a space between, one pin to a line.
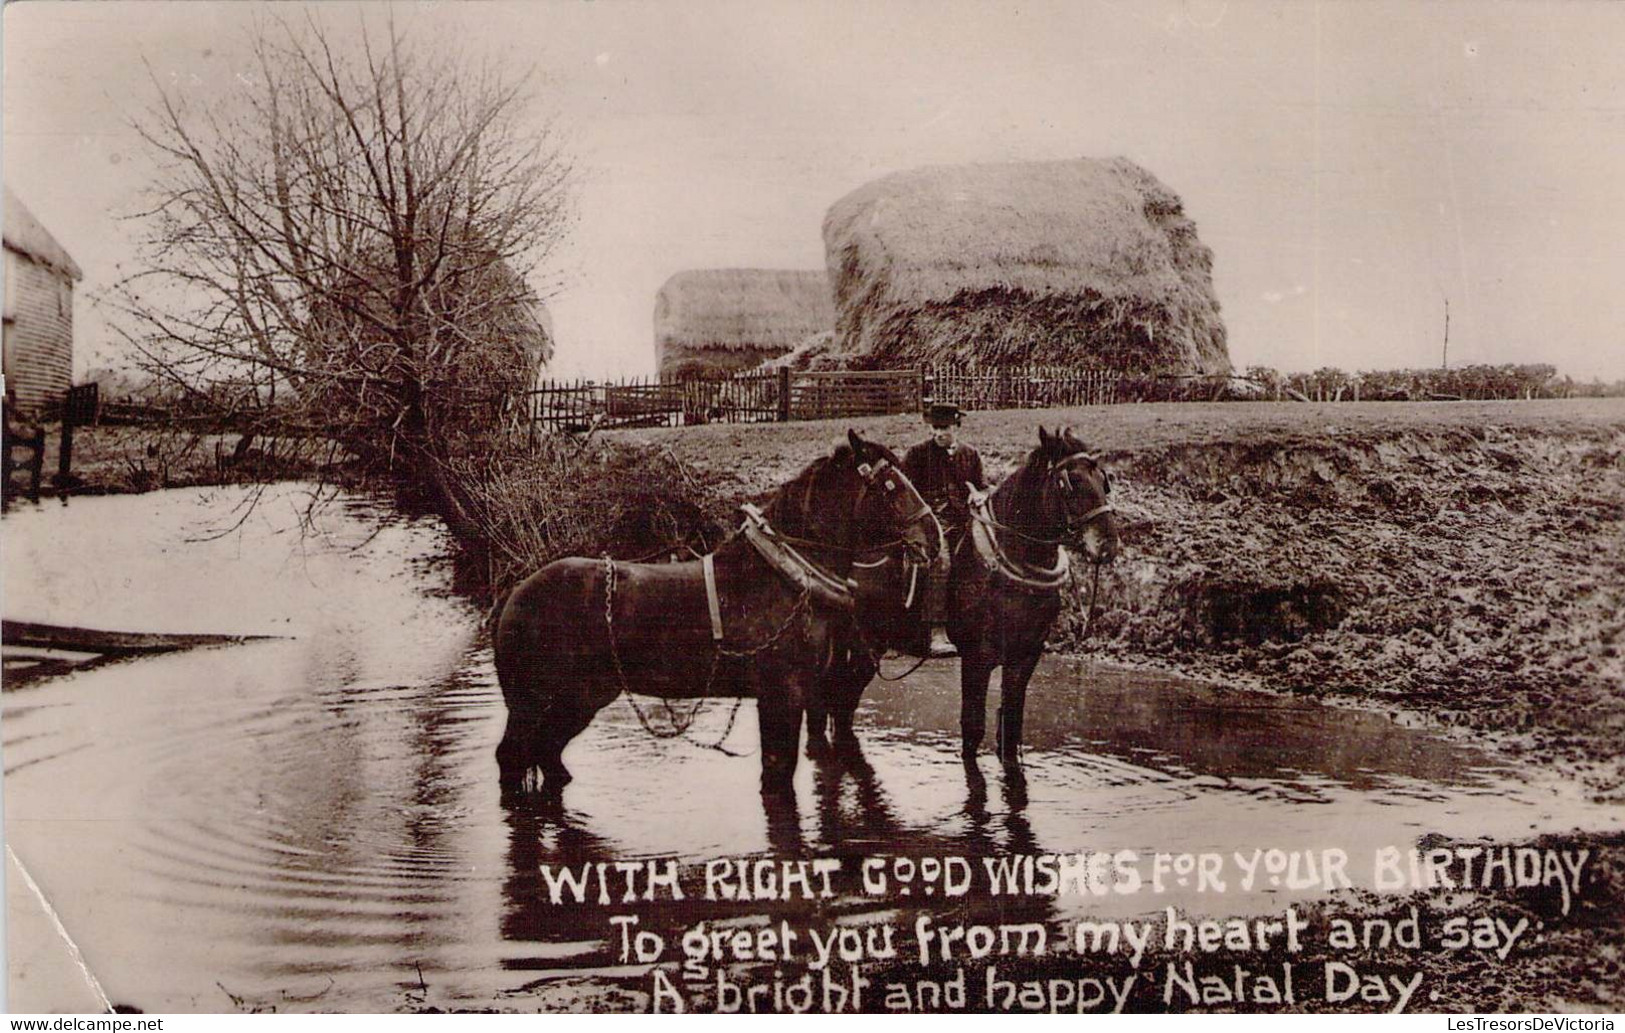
pixel 943 471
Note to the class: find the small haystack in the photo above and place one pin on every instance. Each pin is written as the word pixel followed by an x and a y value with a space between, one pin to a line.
pixel 1086 263
pixel 721 320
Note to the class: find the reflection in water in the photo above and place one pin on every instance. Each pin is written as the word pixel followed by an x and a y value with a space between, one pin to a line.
pixel 982 837
pixel 313 823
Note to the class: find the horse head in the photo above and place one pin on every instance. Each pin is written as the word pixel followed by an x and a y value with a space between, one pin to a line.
pixel 888 509
pixel 1070 493
pixel 857 499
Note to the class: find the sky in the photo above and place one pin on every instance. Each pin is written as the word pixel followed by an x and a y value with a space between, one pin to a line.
pixel 1355 167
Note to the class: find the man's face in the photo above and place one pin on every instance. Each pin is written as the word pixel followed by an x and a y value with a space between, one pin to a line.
pixel 943 436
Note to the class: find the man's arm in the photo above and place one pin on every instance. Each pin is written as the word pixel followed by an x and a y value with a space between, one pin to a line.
pixel 914 463
pixel 973 472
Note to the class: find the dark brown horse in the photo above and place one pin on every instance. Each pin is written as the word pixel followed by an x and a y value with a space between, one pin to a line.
pixel 579 632
pixel 1008 572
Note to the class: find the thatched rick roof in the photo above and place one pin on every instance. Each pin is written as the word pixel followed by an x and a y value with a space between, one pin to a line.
pixel 1088 263
pixel 728 319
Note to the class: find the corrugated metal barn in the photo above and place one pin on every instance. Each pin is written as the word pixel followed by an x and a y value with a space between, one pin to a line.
pixel 38 310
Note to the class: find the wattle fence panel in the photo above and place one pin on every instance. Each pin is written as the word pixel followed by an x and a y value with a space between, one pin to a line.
pixel 779 395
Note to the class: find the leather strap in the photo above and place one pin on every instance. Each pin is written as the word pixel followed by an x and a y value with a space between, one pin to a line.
pixel 792 566
pixel 711 599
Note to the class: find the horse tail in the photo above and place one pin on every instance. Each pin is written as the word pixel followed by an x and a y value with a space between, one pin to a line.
pixel 497 605
pixel 493 622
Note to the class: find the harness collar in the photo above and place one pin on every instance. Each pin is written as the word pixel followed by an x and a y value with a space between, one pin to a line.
pixel 795 568
pixel 1024 577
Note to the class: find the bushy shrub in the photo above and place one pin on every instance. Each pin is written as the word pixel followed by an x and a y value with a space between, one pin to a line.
pixel 562 497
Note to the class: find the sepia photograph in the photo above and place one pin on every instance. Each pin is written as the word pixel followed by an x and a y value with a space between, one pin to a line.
pixel 790 507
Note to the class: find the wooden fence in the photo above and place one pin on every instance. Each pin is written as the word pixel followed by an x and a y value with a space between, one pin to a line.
pixel 1024 388
pixel 783 395
pixel 584 405
pixel 822 396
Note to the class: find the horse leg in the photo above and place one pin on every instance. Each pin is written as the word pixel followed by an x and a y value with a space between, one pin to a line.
pixel 818 717
pixel 514 759
pixel 855 676
pixel 973 679
pixel 1012 706
pixel 845 738
pixel 561 725
pixel 779 718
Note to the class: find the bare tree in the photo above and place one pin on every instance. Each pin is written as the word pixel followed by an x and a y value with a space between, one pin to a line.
pixel 341 245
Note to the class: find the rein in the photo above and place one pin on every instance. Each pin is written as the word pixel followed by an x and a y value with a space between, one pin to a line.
pixel 980 511
pixel 875 656
pixel 1094 596
pixel 871 474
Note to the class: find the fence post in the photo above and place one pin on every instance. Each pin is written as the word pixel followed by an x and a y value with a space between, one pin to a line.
pixel 784 394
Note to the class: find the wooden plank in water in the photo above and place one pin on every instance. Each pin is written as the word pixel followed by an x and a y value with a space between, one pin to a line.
pixel 94 640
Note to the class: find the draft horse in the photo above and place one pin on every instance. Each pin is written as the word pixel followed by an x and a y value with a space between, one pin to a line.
pixel 758 617
pixel 1004 592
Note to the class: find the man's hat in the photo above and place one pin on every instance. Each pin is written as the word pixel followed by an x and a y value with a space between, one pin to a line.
pixel 943 414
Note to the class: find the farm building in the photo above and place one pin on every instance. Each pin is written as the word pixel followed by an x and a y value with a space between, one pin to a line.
pixel 721 320
pixel 1085 263
pixel 38 310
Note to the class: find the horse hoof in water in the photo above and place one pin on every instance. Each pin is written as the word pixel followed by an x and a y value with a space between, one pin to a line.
pixel 779 785
pixel 818 747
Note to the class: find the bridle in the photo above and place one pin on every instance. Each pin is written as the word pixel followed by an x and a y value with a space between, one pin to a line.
pixel 904 499
pixel 905 503
pixel 1077 524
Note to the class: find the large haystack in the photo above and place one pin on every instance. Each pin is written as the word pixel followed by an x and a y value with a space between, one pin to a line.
pixel 1086 263
pixel 720 320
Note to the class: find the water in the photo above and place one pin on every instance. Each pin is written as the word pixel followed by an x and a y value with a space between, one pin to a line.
pixel 312 822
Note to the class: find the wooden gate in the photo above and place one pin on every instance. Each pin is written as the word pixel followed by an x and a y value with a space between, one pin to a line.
pixel 823 396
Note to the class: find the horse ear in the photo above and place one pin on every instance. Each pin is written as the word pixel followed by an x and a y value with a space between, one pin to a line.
pixel 1071 438
pixel 855 439
pixel 1049 445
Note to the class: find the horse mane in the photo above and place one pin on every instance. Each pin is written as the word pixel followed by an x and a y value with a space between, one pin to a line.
pixel 790 508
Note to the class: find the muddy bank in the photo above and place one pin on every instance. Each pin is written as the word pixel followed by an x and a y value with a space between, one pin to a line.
pixel 1476 574
pixel 1461 562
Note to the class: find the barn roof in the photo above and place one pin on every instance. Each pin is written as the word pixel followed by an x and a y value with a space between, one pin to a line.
pixel 25 235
